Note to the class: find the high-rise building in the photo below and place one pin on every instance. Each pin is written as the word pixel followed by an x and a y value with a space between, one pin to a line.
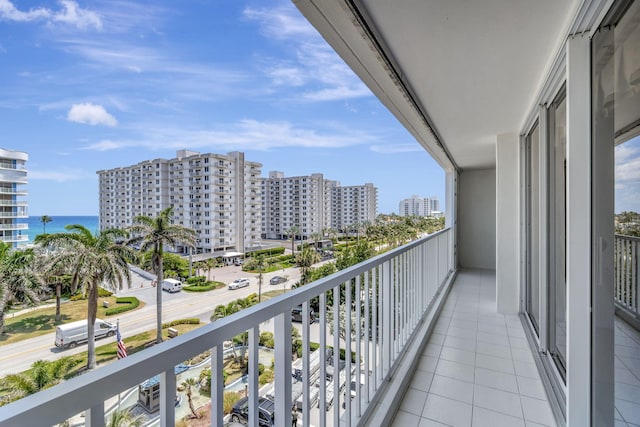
pixel 312 203
pixel 420 206
pixel 216 195
pixel 352 205
pixel 297 201
pixel 13 175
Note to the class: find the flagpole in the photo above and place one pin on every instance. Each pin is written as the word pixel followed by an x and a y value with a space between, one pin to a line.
pixel 117 343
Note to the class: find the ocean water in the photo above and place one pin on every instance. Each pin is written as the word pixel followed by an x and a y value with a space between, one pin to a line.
pixel 57 224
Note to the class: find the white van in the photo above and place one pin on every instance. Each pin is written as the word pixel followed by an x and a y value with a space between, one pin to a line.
pixel 171 285
pixel 71 334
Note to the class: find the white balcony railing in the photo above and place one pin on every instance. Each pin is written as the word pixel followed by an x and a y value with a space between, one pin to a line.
pixel 627 269
pixel 386 298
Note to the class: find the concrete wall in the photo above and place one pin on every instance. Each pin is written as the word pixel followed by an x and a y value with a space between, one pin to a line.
pixel 477 219
pixel 508 220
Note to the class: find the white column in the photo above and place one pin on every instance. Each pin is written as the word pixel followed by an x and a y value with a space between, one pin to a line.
pixel 507 223
pixel 578 231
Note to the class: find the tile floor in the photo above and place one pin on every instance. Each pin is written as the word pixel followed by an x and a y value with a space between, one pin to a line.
pixel 627 375
pixel 477 369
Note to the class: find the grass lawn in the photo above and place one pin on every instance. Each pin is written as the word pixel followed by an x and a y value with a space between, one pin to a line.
pixel 107 353
pixel 42 321
pixel 271 294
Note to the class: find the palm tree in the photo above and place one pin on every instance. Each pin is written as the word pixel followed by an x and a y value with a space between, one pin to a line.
pixel 292 232
pixel 152 234
pixel 43 374
pixel 260 265
pixel 305 259
pixel 19 279
pixel 92 260
pixel 123 418
pixel 188 384
pixel 45 219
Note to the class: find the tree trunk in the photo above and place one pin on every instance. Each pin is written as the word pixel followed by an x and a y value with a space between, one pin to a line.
pixel 1 320
pixel 193 410
pixel 58 289
pixel 160 278
pixel 92 312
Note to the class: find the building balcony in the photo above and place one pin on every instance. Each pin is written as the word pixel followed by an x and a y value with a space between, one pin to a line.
pixel 392 299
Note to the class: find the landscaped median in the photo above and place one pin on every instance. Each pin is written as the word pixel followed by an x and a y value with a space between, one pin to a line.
pixel 201 284
pixel 43 320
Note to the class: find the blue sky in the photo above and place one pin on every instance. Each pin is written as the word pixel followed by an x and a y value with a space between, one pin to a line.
pixel 101 84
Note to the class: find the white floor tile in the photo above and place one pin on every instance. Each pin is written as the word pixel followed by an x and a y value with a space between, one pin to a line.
pixel 452 388
pixel 493 338
pixel 630 411
pixel 486 418
pixel 413 401
pixel 421 380
pixel 455 370
pixel 493 363
pixel 498 400
pixel 526 369
pixel 498 380
pixel 461 343
pixel 426 422
pixel 457 355
pixel 537 411
pixel 531 387
pixel 448 411
pixel 428 363
pixel 403 419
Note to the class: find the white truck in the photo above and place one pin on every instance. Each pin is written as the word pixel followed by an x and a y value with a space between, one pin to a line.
pixel 71 334
pixel 171 285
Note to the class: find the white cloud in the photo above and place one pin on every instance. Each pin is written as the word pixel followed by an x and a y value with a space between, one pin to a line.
pixel 70 13
pixel 397 148
pixel 242 135
pixel 64 175
pixel 91 114
pixel 314 64
pixel 282 22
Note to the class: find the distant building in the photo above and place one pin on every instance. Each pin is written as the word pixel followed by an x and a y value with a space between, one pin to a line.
pixel 312 204
pixel 216 195
pixel 420 206
pixel 13 175
pixel 352 205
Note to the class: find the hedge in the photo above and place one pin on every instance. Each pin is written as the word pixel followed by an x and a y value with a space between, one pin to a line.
pixel 269 251
pixel 129 304
pixel 187 321
pixel 202 288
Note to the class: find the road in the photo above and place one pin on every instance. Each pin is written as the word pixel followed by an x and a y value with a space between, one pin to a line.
pixel 17 357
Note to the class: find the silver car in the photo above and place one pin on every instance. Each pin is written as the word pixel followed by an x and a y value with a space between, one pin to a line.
pixel 239 283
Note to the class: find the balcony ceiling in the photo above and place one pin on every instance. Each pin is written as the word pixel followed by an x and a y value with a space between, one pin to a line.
pixel 473 68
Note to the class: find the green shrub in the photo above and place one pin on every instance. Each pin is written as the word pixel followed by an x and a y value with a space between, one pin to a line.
pixel 196 280
pixel 230 398
pixel 102 292
pixel 77 297
pixel 187 321
pixel 266 377
pixel 269 251
pixel 127 303
pixel 266 340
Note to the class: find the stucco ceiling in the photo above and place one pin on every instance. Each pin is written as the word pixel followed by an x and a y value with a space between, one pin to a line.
pixel 474 67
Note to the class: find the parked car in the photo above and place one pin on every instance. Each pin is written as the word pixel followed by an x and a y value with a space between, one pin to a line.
pixel 296 314
pixel 239 283
pixel 237 262
pixel 277 280
pixel 266 412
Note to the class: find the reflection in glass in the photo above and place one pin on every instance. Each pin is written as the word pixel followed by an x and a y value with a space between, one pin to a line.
pixel 533 227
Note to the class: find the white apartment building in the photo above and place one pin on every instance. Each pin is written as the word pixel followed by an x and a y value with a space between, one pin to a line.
pixel 298 201
pixel 312 203
pixel 354 204
pixel 419 206
pixel 13 175
pixel 216 195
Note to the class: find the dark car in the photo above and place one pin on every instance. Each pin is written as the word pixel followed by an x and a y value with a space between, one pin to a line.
pixel 266 409
pixel 296 314
pixel 276 280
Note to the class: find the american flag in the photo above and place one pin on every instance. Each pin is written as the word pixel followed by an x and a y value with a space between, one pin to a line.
pixel 122 349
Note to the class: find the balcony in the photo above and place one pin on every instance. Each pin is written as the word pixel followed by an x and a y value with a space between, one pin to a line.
pixel 398 295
